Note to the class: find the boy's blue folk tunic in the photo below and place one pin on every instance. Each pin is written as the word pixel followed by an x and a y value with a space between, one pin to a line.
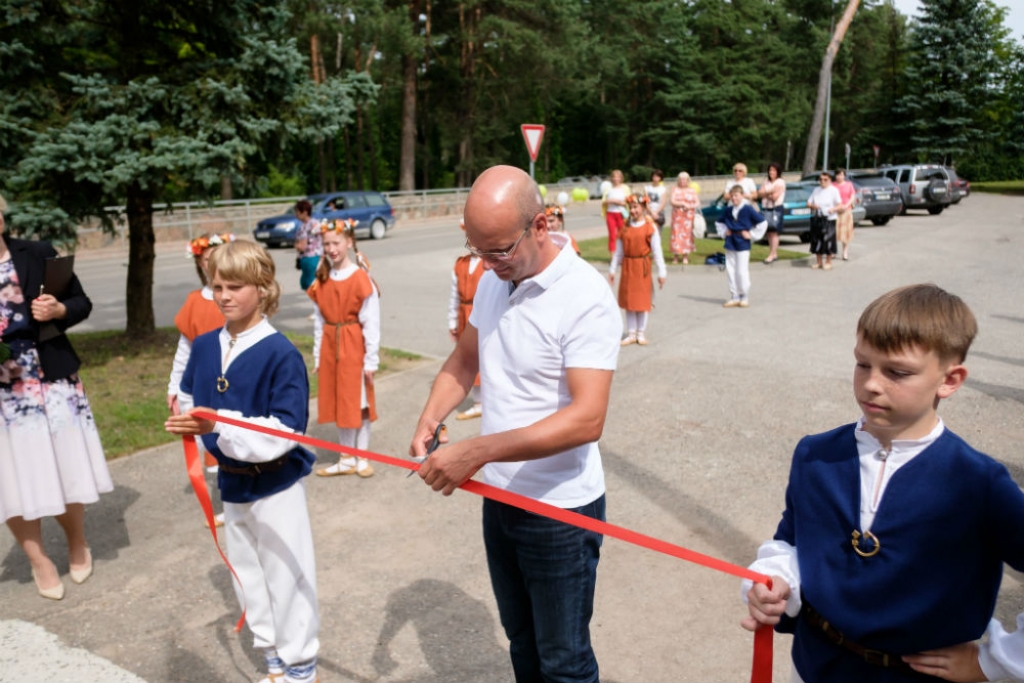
pixel 947 522
pixel 267 380
pixel 746 219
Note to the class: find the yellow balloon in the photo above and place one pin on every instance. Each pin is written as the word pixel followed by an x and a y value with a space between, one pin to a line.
pixel 543 190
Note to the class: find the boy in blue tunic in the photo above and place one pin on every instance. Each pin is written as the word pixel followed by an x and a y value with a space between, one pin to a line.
pixel 887 562
pixel 249 371
pixel 738 224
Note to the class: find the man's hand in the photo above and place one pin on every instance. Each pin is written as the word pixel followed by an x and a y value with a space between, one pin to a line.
pixel 766 606
pixel 956 663
pixel 189 424
pixel 448 468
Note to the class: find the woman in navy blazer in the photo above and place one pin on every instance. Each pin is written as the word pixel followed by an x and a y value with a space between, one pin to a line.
pixel 51 460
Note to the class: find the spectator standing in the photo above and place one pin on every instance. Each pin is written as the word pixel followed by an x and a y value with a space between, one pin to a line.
pixel 307 242
pixel 685 203
pixel 656 194
pixel 825 203
pixel 739 177
pixel 544 335
pixel 844 218
pixel 51 460
pixel 773 196
pixel 614 205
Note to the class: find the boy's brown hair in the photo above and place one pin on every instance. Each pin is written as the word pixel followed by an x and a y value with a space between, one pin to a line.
pixel 922 315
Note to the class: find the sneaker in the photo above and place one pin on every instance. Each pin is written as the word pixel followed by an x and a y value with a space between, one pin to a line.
pixel 218 521
pixel 641 339
pixel 731 303
pixel 475 411
pixel 631 339
pixel 346 465
pixel 744 303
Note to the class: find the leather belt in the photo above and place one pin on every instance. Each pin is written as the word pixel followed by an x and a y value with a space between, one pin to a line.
pixel 874 657
pixel 257 468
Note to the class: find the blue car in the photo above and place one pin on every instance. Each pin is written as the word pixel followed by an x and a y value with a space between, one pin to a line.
pixel 796 216
pixel 375 215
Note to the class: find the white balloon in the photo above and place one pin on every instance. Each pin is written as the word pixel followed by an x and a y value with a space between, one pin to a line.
pixel 605 187
pixel 563 198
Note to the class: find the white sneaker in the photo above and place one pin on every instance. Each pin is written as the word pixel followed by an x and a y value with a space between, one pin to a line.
pixel 641 339
pixel 630 339
pixel 475 411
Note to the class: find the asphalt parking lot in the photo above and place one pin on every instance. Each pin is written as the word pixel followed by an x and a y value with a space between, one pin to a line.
pixel 696 450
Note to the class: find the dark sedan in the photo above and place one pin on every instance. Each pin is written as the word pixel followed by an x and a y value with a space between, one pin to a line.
pixel 880 196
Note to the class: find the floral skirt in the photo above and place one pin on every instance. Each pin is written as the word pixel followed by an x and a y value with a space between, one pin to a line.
pixel 50 452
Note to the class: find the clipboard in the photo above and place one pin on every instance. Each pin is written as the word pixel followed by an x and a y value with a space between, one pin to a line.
pixel 57 274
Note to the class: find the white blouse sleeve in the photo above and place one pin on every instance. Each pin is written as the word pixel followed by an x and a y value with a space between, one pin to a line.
pixel 616 258
pixel 248 445
pixel 369 319
pixel 1002 655
pixel 178 365
pixel 777 558
pixel 318 335
pixel 659 255
pixel 453 304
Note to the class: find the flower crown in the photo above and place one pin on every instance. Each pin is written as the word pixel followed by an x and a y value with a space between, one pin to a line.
pixel 554 210
pixel 200 244
pixel 640 199
pixel 342 226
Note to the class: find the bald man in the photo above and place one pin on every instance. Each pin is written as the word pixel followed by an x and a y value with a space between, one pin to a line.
pixel 544 336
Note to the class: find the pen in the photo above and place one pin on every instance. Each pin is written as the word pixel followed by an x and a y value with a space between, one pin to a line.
pixel 434 443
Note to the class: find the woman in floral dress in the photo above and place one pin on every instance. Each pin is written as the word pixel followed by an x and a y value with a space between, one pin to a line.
pixel 51 460
pixel 685 203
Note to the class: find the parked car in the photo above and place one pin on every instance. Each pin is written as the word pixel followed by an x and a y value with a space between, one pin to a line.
pixel 961 188
pixel 923 186
pixel 879 195
pixel 371 209
pixel 796 215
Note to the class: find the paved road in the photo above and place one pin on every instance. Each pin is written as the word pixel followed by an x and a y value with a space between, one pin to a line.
pixel 696 450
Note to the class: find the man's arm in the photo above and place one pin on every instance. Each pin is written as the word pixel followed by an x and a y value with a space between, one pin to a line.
pixel 450 387
pixel 580 422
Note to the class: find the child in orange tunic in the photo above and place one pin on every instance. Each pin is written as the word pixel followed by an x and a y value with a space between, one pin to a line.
pixel 346 344
pixel 198 315
pixel 465 277
pixel 638 240
pixel 555 213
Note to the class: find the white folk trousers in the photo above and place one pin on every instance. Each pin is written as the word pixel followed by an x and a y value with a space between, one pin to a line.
pixel 737 267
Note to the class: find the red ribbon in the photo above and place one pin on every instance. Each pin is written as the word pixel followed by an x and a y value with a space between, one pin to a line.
pixel 761 670
pixel 195 475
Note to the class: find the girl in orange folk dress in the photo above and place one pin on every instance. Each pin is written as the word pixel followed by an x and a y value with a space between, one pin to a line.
pixel 198 315
pixel 638 241
pixel 465 277
pixel 555 214
pixel 346 344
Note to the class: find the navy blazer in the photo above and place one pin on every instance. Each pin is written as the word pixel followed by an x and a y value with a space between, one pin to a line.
pixel 56 356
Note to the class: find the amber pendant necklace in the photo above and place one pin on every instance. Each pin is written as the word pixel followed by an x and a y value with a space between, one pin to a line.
pixel 222 381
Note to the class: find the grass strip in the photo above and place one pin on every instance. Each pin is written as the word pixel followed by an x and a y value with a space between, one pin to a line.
pixel 125 379
pixel 596 250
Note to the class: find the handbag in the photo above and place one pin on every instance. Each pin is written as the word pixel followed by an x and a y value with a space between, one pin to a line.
pixel 700 226
pixel 774 218
pixel 298 263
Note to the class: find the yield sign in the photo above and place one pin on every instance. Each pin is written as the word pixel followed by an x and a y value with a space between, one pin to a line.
pixel 533 133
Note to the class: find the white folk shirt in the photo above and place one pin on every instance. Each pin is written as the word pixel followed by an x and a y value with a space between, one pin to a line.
pixel 563 317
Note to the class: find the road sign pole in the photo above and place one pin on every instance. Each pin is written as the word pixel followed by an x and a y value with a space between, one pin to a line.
pixel 531 168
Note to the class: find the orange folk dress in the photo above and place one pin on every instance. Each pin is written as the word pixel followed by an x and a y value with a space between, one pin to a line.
pixel 466 282
pixel 342 350
pixel 636 284
pixel 197 316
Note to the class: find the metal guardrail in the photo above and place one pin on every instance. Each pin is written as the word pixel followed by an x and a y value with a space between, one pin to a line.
pixel 185 220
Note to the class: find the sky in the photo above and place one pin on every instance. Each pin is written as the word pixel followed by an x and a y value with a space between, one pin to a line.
pixel 1014 18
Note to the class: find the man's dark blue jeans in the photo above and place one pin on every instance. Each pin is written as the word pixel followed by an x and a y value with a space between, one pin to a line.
pixel 543 573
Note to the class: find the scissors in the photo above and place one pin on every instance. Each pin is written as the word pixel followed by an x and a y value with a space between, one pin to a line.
pixel 434 443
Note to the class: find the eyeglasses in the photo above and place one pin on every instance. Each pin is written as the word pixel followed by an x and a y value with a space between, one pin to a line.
pixel 501 254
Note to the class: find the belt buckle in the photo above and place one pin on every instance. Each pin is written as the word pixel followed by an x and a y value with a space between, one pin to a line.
pixel 256 469
pixel 878 658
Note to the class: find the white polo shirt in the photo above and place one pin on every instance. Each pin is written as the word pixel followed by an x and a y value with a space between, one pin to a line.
pixel 564 317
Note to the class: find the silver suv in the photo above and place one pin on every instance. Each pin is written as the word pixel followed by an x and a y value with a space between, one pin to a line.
pixel 923 186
